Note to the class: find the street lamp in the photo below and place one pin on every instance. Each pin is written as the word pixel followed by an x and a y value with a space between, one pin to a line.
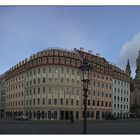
pixel 86 67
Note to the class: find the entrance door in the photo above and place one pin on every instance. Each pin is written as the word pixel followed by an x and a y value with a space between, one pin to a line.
pixel 61 115
pixel 97 114
pixel 66 115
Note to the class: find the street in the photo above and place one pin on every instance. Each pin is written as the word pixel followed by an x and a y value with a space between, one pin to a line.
pixel 65 127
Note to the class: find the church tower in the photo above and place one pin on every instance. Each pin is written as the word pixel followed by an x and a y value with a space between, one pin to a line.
pixel 138 67
pixel 128 69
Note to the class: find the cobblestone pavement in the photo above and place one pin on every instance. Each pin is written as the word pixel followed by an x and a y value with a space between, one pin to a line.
pixel 65 127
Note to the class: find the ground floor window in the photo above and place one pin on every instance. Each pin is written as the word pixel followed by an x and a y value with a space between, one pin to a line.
pixel 55 114
pixel 77 114
pixel 49 114
pixel 92 114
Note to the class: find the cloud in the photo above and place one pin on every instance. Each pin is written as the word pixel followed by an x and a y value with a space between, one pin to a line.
pixel 130 51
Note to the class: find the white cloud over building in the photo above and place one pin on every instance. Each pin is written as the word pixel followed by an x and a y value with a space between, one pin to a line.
pixel 130 51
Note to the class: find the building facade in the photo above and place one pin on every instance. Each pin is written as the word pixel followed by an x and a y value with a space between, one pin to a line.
pixel 2 95
pixel 100 87
pixel 48 85
pixel 135 90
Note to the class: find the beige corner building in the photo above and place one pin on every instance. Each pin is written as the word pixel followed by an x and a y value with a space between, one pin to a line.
pixel 46 86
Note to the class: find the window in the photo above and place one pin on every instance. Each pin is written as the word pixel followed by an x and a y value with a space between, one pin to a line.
pixel 43 101
pixel 50 80
pixel 94 83
pixel 67 80
pixel 38 71
pixel 93 102
pixel 88 102
pixel 121 99
pixel 49 101
pixel 102 103
pixel 43 89
pixel 62 80
pixel 30 102
pixel 109 95
pixel 98 93
pixel 34 101
pixel 118 90
pixel 34 72
pixel 61 101
pixel 106 95
pixel 106 104
pixel 118 98
pixel 43 70
pixel 38 101
pixel 34 81
pixel 114 97
pixel 27 93
pixel 77 102
pixel 107 78
pixel 72 71
pixel 67 70
pixel 30 73
pixel 124 92
pixel 55 101
pixel 50 90
pixel 78 73
pixel 71 101
pixel 106 86
pixel 118 105
pixel 102 85
pixel 38 90
pixel 124 99
pixel 124 106
pixel 44 79
pixel 67 101
pixel 109 104
pixel 102 94
pixel 30 92
pixel 72 81
pixel 98 103
pixel 114 105
pixel 50 70
pixel 34 90
pixel 26 102
pixel 98 84
pixel 38 80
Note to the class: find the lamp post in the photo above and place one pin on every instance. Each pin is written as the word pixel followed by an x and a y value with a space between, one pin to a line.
pixel 85 78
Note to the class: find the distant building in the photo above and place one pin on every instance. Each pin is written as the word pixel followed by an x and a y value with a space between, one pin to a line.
pixel 2 95
pixel 135 90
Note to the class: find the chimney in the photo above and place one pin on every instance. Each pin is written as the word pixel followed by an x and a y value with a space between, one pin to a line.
pixel 97 54
pixel 81 49
pixel 90 51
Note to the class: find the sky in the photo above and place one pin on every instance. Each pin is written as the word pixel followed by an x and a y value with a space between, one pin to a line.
pixel 111 31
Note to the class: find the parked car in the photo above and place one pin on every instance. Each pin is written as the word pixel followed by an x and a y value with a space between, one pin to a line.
pixel 21 117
